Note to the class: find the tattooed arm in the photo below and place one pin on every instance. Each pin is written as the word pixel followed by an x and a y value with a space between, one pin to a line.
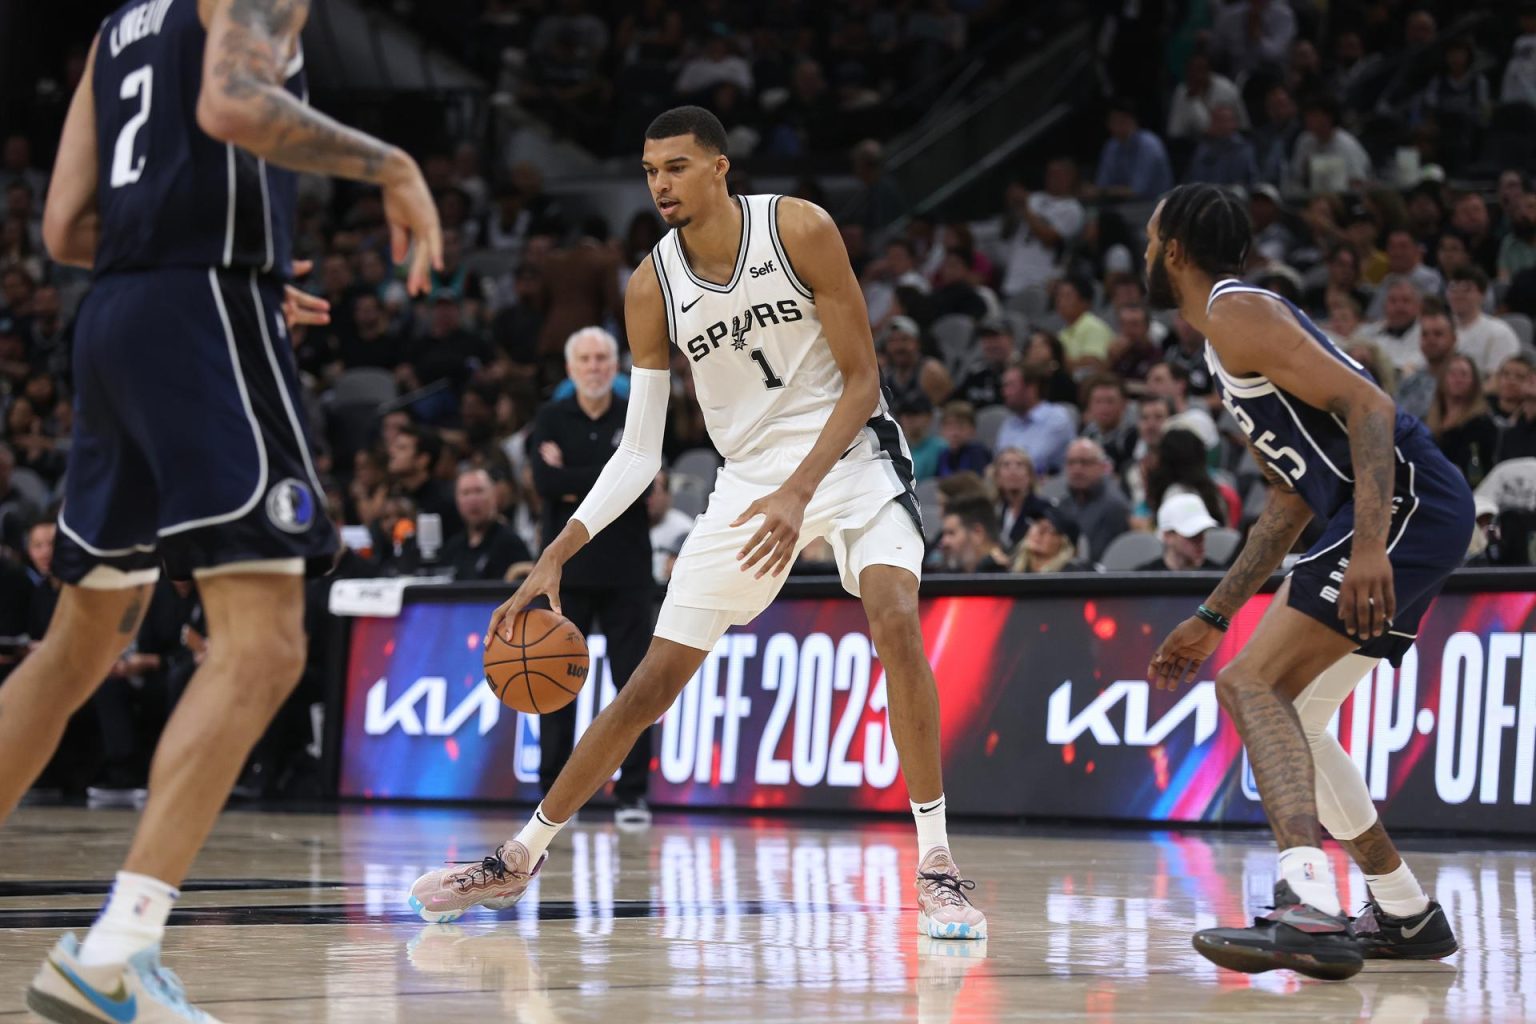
pixel 243 102
pixel 1254 334
pixel 1285 515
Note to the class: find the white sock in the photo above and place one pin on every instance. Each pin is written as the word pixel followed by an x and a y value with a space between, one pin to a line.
pixel 132 920
pixel 932 831
pixel 1310 875
pixel 1398 892
pixel 538 834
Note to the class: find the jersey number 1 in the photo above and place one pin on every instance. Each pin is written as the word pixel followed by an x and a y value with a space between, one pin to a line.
pixel 771 380
pixel 126 170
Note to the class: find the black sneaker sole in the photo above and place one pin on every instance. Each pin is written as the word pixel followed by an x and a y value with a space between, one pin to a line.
pixel 1412 951
pixel 1257 956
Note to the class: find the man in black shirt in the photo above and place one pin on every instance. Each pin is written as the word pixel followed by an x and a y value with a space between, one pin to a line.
pixel 413 454
pixel 970 538
pixel 983 386
pixel 1183 522
pixel 489 546
pixel 608 581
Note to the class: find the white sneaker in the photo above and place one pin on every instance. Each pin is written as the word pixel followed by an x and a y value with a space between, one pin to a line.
pixel 139 992
pixel 632 816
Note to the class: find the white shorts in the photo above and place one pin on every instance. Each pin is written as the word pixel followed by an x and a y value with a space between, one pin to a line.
pixel 864 509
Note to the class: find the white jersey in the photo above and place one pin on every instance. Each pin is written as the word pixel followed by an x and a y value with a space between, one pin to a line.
pixel 764 373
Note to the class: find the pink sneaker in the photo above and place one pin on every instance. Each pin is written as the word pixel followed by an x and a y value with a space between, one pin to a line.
pixel 496 882
pixel 943 909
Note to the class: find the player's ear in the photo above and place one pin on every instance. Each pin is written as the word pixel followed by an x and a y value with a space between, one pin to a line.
pixel 722 166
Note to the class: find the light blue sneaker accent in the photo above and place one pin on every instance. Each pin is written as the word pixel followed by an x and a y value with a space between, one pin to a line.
pixel 142 991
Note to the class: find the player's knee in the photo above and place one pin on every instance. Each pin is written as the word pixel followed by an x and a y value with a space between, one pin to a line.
pixel 894 625
pixel 1234 682
pixel 265 668
pixel 647 696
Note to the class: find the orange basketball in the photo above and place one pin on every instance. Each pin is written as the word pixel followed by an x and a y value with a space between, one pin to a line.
pixel 543 668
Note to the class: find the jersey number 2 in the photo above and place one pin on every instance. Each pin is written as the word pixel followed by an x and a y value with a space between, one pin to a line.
pixel 771 380
pixel 126 170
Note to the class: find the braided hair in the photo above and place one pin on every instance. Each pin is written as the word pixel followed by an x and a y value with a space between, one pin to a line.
pixel 1211 225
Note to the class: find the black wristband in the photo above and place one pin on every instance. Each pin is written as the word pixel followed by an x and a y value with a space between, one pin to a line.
pixel 1215 619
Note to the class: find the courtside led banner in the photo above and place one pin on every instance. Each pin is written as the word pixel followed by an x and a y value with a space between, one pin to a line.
pixel 1045 711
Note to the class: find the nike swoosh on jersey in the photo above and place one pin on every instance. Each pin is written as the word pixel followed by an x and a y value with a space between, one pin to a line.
pixel 123 1008
pixel 1409 933
pixel 690 305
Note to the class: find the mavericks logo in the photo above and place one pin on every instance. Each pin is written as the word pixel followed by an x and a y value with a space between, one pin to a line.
pixel 291 506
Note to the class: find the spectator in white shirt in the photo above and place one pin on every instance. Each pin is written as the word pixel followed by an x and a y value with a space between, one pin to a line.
pixel 1038 226
pixel 1254 34
pixel 1405 262
pixel 669 527
pixel 1485 340
pixel 1397 333
pixel 715 65
pixel 896 269
pixel 1324 150
pixel 1520 73
pixel 1189 116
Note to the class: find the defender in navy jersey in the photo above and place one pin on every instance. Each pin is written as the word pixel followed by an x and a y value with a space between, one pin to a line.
pixel 1399 520
pixel 175 183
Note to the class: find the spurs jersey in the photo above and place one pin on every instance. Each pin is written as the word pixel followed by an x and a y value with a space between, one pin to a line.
pixel 763 369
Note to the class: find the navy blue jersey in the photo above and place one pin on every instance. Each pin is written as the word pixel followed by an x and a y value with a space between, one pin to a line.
pixel 169 195
pixel 1307 446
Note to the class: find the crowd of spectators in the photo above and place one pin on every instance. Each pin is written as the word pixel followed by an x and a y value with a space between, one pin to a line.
pixel 790 79
pixel 1049 410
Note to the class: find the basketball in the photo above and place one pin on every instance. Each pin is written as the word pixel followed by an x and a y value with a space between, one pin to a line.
pixel 544 667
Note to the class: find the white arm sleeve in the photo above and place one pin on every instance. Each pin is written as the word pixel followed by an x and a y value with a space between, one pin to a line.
pixel 635 464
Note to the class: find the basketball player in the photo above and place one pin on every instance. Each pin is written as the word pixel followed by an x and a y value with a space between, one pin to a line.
pixel 1398 518
pixel 189 441
pixel 758 293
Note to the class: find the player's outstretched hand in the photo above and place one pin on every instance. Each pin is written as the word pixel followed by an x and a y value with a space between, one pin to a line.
pixel 413 225
pixel 301 308
pixel 544 581
pixel 1367 600
pixel 1180 655
pixel 776 541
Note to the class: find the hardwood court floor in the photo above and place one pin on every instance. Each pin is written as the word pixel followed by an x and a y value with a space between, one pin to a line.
pixel 302 918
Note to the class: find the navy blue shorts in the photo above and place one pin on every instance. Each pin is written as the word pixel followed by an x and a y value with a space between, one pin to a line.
pixel 190 445
pixel 1432 523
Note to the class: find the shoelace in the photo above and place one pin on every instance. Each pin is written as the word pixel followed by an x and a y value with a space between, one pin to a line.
pixel 483 871
pixel 948 889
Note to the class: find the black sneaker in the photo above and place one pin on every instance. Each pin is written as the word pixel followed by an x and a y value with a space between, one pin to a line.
pixel 1425 936
pixel 1293 936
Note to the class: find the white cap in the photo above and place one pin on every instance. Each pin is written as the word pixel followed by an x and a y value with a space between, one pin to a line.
pixel 1185 515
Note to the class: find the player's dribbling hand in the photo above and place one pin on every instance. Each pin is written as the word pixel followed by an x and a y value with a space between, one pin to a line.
pixel 1367 600
pixel 413 225
pixel 1182 652
pixel 775 542
pixel 543 581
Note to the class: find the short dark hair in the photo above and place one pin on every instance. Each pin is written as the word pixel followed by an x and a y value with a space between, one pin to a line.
pixel 1211 225
pixel 960 409
pixel 902 243
pixel 428 441
pixel 704 126
pixel 1178 371
pixel 1103 380
pixel 1473 274
pixel 1081 285
pixel 1124 105
pixel 975 511
pixel 1442 313
pixel 1322 103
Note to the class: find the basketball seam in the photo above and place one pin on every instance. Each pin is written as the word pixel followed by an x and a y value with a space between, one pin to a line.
pixel 552 679
pixel 536 657
pixel 539 639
